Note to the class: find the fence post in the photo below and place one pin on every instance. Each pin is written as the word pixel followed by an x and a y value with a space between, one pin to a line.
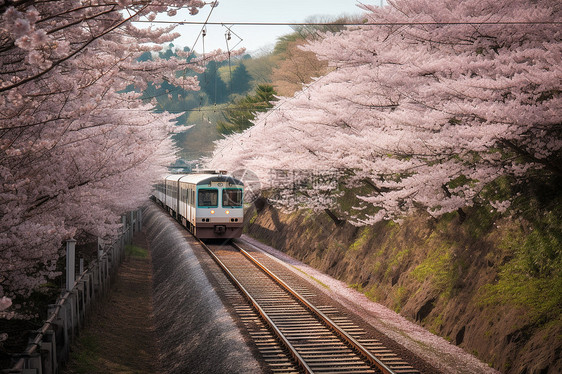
pixel 131 227
pixel 49 352
pixel 100 247
pixel 33 364
pixel 68 316
pixel 80 287
pixel 57 327
pixel 105 274
pixel 65 331
pixel 70 263
pixel 124 234
pixel 99 271
pixel 95 280
pixel 72 310
pixel 87 290
pixel 139 219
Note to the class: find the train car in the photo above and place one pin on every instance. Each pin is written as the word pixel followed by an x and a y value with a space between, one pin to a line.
pixel 171 195
pixel 210 205
pixel 160 191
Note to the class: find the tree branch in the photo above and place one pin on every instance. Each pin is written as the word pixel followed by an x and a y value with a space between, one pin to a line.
pixel 58 62
pixel 554 168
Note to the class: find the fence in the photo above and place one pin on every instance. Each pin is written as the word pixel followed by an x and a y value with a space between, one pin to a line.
pixel 51 345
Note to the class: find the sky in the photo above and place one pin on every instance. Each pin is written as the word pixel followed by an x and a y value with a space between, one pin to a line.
pixel 256 38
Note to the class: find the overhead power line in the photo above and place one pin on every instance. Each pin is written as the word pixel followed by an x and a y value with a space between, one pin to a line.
pixel 355 23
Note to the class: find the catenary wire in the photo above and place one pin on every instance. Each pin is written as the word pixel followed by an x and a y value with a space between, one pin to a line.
pixel 206 22
pixel 355 23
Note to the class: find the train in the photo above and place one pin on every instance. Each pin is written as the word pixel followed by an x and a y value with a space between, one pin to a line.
pixel 210 204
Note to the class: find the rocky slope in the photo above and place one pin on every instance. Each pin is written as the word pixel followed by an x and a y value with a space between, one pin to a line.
pixel 468 282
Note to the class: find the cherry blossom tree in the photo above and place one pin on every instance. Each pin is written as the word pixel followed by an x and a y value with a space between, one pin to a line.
pixel 76 152
pixel 428 103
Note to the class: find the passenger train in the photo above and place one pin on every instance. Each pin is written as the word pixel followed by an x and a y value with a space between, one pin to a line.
pixel 209 204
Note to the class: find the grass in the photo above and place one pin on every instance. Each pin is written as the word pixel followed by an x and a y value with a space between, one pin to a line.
pixel 400 296
pixel 436 324
pixel 85 358
pixel 254 217
pixel 134 251
pixel 395 258
pixel 313 278
pixel 90 357
pixel 375 293
pixel 532 276
pixel 438 266
pixel 532 279
pixel 362 239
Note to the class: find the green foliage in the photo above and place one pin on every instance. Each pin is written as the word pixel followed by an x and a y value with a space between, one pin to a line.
pixel 313 278
pixel 168 52
pixel 86 357
pixel 362 239
pixel 347 200
pixel 532 276
pixel 436 324
pixel 398 255
pixel 480 221
pixel 303 32
pixel 400 296
pixel 146 56
pixel 283 42
pixel 254 217
pixel 532 279
pixel 461 180
pixel 240 80
pixel 374 293
pixel 260 68
pixel 212 84
pixel 204 108
pixel 244 110
pixel 438 266
pixel 134 251
pixel 198 141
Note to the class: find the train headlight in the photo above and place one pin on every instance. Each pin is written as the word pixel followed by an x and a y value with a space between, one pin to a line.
pixel 227 212
pixel 212 212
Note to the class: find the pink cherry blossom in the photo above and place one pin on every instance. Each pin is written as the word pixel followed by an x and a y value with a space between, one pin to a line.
pixel 75 151
pixel 424 109
pixel 5 303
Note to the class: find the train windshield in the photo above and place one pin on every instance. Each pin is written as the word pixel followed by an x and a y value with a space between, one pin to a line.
pixel 208 197
pixel 232 197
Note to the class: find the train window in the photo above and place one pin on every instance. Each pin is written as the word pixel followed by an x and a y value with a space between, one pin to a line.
pixel 232 197
pixel 208 197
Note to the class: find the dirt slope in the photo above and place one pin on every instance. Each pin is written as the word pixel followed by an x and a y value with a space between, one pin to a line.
pixel 437 273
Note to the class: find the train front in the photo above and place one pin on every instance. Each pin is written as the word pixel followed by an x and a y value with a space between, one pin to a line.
pixel 220 208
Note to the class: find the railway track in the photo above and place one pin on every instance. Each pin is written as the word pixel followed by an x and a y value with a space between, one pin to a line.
pixel 291 333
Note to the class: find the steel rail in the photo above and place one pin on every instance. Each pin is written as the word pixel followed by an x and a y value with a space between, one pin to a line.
pixel 292 350
pixel 327 321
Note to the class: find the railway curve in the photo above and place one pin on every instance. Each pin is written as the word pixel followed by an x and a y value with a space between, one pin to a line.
pixel 303 337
